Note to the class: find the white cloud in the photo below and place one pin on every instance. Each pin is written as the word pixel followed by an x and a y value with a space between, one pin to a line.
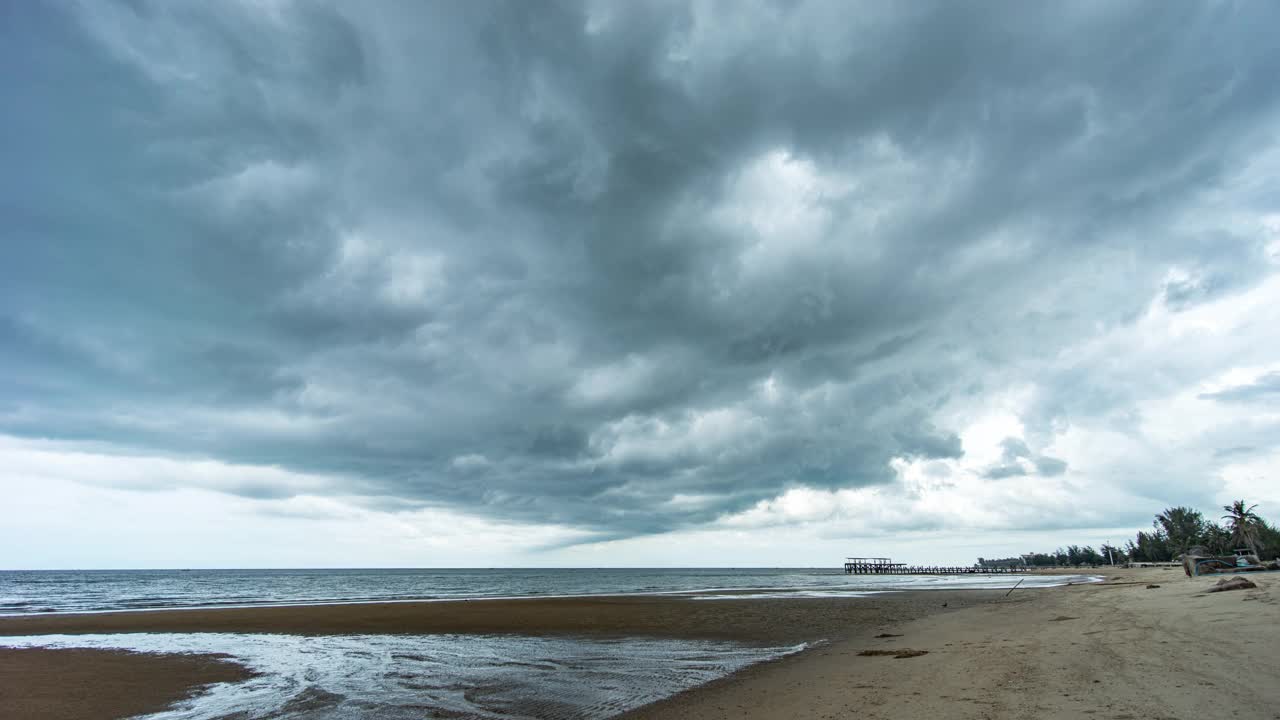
pixel 816 274
pixel 69 508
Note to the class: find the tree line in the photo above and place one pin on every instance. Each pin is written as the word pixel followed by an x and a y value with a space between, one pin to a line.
pixel 1174 532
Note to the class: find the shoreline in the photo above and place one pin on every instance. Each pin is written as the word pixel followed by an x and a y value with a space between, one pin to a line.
pixel 1113 649
pixel 700 594
pixel 748 592
pixel 757 620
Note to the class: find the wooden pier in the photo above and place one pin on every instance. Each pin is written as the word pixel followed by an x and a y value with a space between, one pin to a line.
pixel 886 566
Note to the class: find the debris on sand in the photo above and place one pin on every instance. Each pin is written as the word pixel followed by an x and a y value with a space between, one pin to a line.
pixel 1062 618
pixel 1233 583
pixel 1152 586
pixel 910 654
pixel 885 635
pixel 896 654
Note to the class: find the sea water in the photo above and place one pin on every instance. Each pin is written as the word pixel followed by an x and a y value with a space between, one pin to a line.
pixel 363 677
pixel 24 592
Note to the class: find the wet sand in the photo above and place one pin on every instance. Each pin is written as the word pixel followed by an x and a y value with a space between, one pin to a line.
pixel 40 684
pixel 766 621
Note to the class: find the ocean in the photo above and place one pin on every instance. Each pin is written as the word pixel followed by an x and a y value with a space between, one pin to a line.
pixel 43 591
pixel 498 677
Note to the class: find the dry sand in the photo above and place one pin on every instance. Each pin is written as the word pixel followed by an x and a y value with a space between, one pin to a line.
pixel 1116 650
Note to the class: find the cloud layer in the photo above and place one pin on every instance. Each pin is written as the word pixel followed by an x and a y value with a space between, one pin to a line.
pixel 628 269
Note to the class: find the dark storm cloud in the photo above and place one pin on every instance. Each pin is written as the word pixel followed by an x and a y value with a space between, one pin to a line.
pixel 569 263
pixel 1236 451
pixel 1050 466
pixel 1017 460
pixel 1264 389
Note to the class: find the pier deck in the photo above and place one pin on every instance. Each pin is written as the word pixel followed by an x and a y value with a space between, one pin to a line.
pixel 886 566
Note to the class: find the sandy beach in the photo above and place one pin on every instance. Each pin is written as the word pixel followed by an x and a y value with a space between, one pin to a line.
pixel 1110 650
pixel 1114 650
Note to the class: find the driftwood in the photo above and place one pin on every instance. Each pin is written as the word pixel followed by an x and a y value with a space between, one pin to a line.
pixel 898 654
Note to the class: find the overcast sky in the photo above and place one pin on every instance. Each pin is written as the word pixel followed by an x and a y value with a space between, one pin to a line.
pixel 532 283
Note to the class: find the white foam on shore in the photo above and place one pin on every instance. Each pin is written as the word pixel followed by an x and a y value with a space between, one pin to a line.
pixel 901 583
pixel 354 677
pixel 788 595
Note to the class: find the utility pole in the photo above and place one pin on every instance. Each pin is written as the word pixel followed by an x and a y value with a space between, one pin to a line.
pixel 1111 554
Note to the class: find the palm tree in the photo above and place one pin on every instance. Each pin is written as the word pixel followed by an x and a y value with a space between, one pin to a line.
pixel 1183 526
pixel 1243 523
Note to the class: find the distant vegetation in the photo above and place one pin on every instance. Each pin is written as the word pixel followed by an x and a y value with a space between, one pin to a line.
pixel 1173 532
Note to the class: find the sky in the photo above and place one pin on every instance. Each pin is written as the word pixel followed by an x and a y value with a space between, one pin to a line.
pixel 309 284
